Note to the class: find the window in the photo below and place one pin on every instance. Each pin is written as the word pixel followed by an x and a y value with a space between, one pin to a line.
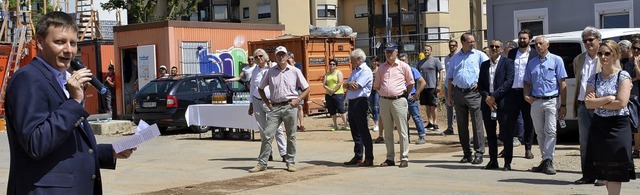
pixel 245 13
pixel 617 14
pixel 188 86
pixel 264 11
pixel 536 20
pixel 437 33
pixel 434 5
pixel 220 12
pixel 615 21
pixel 326 11
pixel 361 11
pixel 534 26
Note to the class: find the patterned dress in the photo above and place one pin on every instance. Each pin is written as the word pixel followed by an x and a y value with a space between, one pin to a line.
pixel 609 144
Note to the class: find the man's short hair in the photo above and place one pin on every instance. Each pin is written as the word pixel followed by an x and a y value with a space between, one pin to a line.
pixel 625 44
pixel 403 55
pixel 358 53
pixel 55 19
pixel 453 41
pixel 512 44
pixel 290 54
pixel 593 31
pixel 463 38
pixel 526 31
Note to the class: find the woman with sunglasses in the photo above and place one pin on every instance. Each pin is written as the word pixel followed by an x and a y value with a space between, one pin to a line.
pixel 609 147
pixel 334 95
pixel 633 67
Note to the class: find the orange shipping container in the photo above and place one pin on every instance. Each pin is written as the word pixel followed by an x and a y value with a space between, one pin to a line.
pixel 175 43
pixel 314 54
pixel 96 55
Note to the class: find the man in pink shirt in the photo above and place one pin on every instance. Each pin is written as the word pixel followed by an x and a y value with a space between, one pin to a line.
pixel 283 81
pixel 393 78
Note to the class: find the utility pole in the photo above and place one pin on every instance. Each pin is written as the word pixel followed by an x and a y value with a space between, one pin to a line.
pixel 387 21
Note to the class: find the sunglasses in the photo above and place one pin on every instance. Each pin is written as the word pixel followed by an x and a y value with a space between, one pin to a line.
pixel 588 40
pixel 259 56
pixel 332 64
pixel 494 46
pixel 250 59
pixel 605 54
pixel 636 48
pixel 453 45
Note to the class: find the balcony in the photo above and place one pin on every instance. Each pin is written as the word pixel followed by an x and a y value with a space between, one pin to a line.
pixel 408 19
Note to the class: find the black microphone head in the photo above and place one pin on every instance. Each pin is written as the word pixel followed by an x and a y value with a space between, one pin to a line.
pixel 76 64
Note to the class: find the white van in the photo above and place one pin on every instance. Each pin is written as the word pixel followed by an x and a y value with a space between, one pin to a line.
pixel 568 45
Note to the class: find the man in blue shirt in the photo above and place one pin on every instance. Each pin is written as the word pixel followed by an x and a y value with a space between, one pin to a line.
pixel 543 83
pixel 462 78
pixel 413 98
pixel 358 87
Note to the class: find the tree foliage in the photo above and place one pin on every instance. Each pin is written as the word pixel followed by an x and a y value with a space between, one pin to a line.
pixel 140 11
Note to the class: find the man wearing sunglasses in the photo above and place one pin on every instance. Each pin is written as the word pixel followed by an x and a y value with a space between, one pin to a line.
pixel 543 85
pixel 584 66
pixel 494 84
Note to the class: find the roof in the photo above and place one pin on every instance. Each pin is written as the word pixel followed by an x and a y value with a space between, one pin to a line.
pixel 577 35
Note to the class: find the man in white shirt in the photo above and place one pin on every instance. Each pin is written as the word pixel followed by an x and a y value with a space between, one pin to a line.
pixel 521 57
pixel 584 66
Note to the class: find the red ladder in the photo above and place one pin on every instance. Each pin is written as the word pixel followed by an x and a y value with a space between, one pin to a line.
pixel 17 49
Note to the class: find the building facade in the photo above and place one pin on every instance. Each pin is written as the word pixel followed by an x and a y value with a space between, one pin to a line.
pixel 508 17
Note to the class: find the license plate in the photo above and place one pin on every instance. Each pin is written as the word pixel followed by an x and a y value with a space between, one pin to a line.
pixel 148 104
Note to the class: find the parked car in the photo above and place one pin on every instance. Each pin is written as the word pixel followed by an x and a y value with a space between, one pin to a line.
pixel 568 45
pixel 164 101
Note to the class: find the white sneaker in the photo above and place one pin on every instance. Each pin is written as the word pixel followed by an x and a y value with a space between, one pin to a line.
pixel 375 128
pixel 516 142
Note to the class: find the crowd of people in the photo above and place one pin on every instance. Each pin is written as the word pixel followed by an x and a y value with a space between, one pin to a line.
pixel 511 85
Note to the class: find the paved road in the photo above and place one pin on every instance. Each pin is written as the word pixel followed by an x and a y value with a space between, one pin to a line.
pixel 203 166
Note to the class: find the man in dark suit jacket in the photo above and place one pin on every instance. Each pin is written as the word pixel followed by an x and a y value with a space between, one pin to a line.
pixel 521 57
pixel 53 149
pixel 494 84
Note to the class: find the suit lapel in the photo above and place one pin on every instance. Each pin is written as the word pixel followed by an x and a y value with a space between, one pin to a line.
pixel 51 77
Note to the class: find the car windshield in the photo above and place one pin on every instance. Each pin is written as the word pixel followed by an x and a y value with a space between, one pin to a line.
pixel 156 87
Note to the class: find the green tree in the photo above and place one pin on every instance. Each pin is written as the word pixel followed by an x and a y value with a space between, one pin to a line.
pixel 140 11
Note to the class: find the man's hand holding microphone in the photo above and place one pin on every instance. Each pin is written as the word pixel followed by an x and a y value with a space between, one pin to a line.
pixel 80 76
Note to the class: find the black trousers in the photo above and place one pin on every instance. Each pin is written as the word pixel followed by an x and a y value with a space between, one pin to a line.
pixel 358 123
pixel 507 117
pixel 523 107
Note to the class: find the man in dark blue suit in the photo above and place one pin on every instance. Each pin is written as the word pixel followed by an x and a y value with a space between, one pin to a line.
pixel 53 149
pixel 494 84
pixel 521 57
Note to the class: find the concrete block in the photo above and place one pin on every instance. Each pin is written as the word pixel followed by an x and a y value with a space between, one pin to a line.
pixel 113 127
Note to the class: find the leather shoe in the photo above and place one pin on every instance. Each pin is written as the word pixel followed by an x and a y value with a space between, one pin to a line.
pixel 404 164
pixel 540 167
pixel 492 165
pixel 366 163
pixel 466 159
pixel 584 181
pixel 477 160
pixel 353 161
pixel 528 154
pixel 388 163
pixel 598 183
pixel 507 168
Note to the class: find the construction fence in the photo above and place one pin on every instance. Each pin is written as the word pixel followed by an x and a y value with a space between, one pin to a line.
pixel 413 44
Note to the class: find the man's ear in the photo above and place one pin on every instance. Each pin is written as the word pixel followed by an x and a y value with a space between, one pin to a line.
pixel 39 42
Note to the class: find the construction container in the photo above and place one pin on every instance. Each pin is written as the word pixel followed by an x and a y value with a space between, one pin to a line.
pixel 96 56
pixel 186 45
pixel 314 54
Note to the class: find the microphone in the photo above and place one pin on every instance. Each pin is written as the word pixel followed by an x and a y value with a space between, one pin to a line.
pixel 76 64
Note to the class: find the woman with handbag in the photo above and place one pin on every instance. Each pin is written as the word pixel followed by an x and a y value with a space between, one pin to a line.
pixel 609 147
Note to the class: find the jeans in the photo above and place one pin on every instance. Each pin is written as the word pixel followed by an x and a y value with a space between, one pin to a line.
pixel 374 105
pixel 584 123
pixel 449 111
pixel 544 117
pixel 414 111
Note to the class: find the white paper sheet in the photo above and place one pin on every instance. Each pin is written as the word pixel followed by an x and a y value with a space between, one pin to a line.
pixel 141 136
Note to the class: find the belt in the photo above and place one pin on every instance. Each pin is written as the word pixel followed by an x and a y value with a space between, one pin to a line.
pixel 517 89
pixel 357 99
pixel 465 90
pixel 392 97
pixel 544 97
pixel 257 98
pixel 280 103
pixel 580 102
